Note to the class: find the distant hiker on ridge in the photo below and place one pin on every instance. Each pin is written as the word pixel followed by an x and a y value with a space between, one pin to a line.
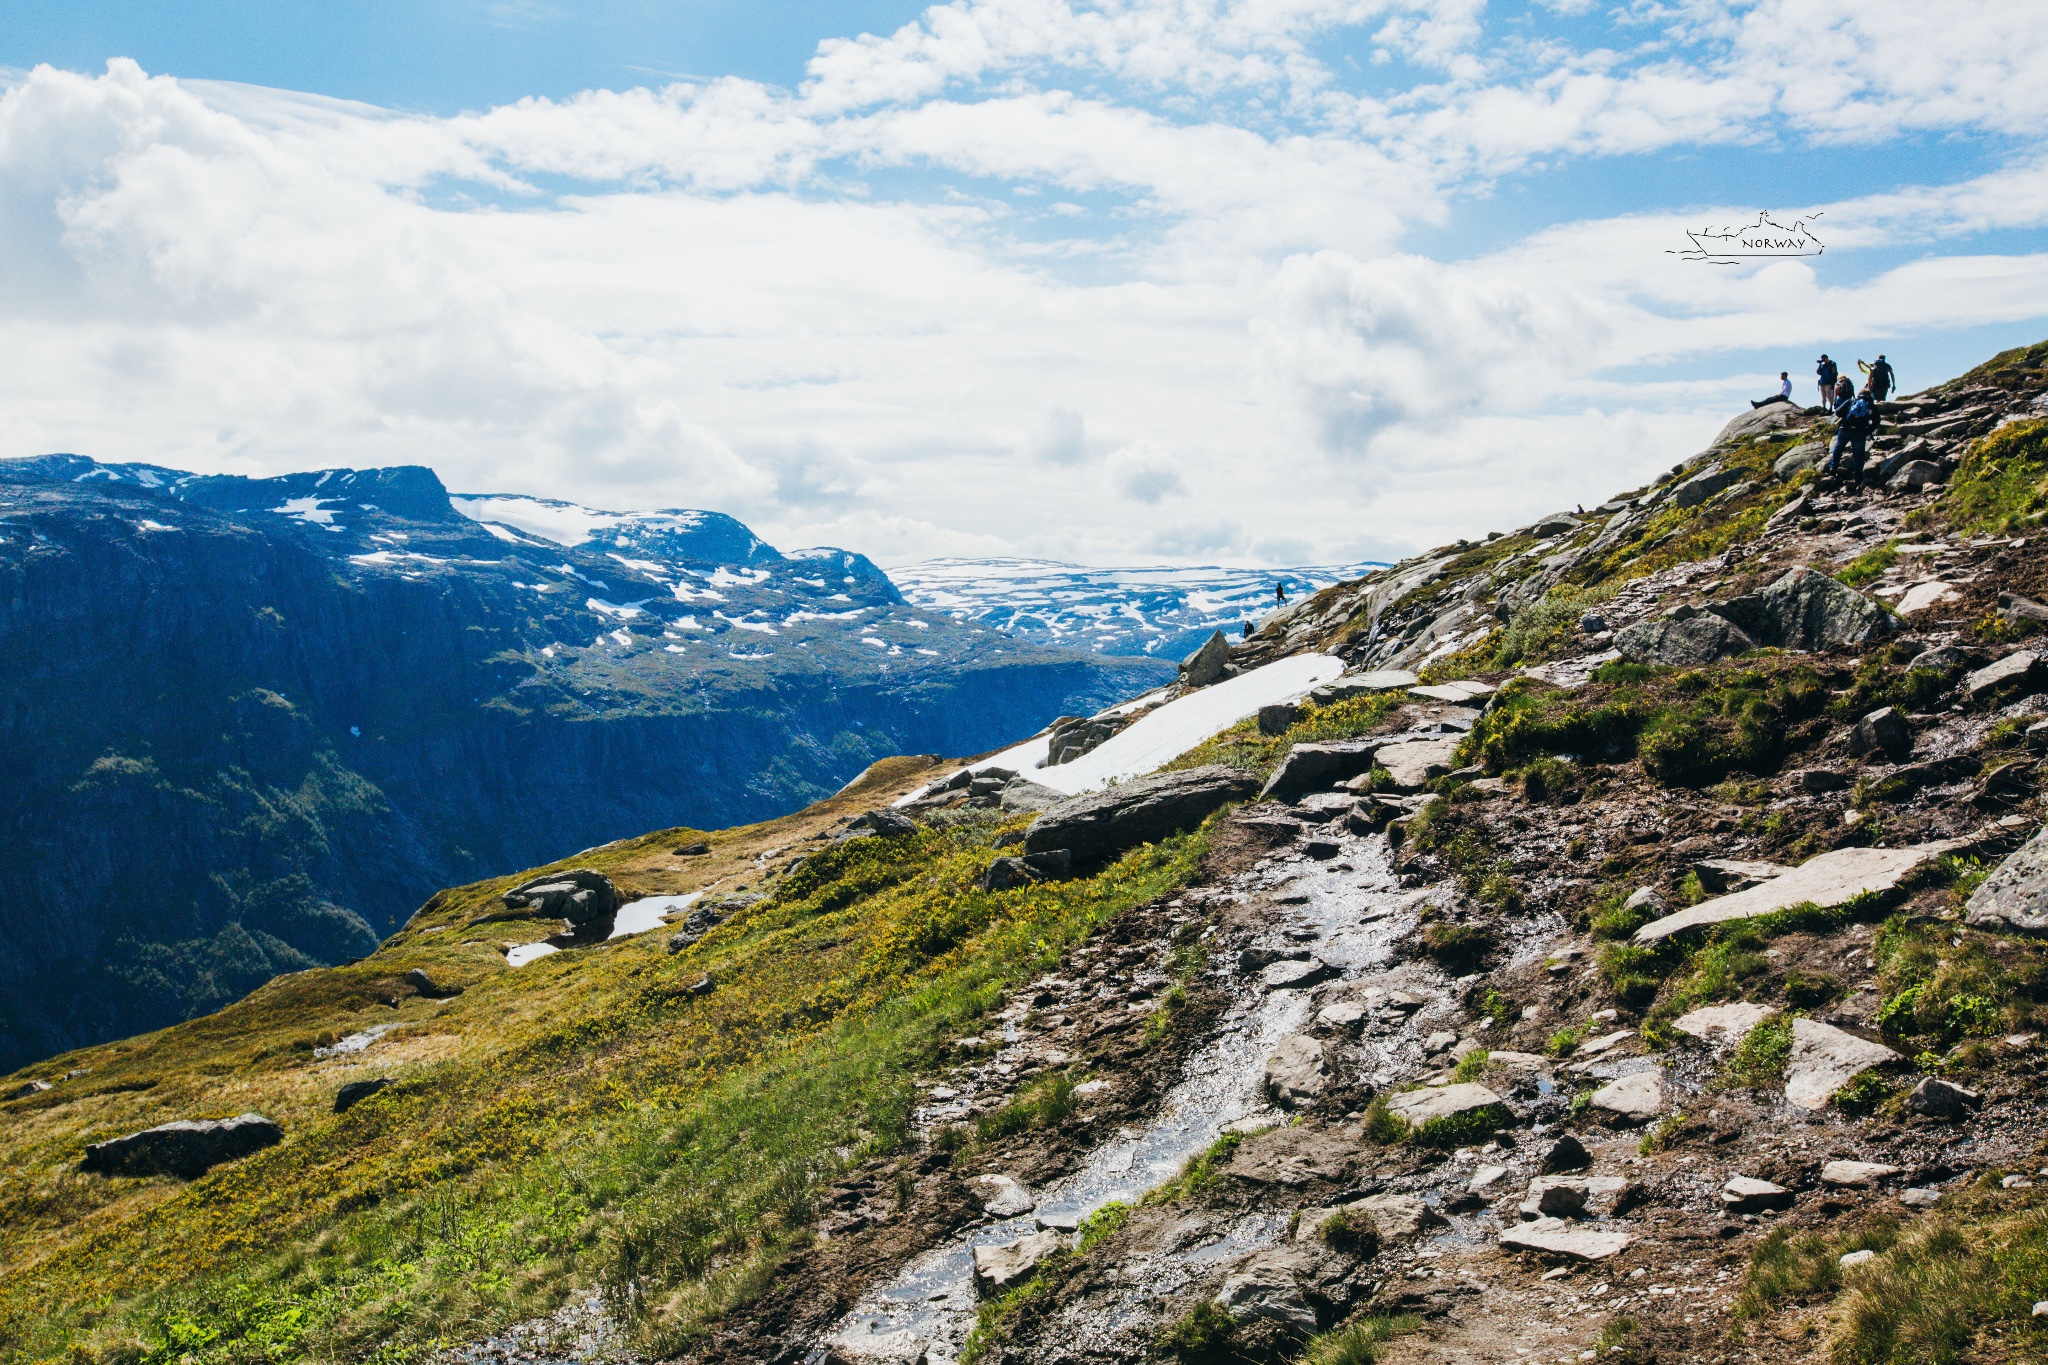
pixel 1783 395
pixel 1882 380
pixel 1280 591
pixel 1827 372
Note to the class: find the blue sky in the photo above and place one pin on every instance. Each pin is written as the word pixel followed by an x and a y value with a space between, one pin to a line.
pixel 1106 280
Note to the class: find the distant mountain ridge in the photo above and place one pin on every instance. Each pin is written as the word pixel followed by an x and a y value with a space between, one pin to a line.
pixel 250 724
pixel 1162 612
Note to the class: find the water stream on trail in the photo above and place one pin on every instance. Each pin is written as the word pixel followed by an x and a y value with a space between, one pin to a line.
pixel 1349 913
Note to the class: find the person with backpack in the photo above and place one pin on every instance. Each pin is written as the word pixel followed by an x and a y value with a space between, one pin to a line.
pixel 1855 415
pixel 1882 380
pixel 1827 372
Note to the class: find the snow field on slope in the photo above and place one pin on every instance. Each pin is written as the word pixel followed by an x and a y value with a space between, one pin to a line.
pixel 1153 741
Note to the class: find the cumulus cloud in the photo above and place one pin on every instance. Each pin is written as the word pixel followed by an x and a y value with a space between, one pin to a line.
pixel 865 307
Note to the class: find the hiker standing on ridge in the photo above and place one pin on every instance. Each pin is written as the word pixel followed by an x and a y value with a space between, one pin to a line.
pixel 1280 592
pixel 1827 372
pixel 1783 395
pixel 1882 380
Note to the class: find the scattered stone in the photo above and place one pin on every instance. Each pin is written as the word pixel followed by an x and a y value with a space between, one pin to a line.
pixel 1917 474
pixel 1278 718
pixel 1941 1099
pixel 1745 1194
pixel 1565 1154
pixel 2021 671
pixel 2013 607
pixel 1855 1258
pixel 1824 1059
pixel 1723 1023
pixel 1419 1107
pixel 1100 827
pixel 1827 880
pixel 1922 596
pixel 1485 1178
pixel 1682 641
pixel 1060 1220
pixel 1207 664
pixel 184 1148
pixel 998 1269
pixel 1882 731
pixel 1635 1098
pixel 1297 1072
pixel 1555 1237
pixel 1346 1016
pixel 1645 898
pixel 1596 1046
pixel 1554 1198
pixel 1440 1041
pixel 1396 1215
pixel 1264 1290
pixel 2015 895
pixel 1004 873
pixel 1815 781
pixel 1919 1198
pixel 703 985
pixel 1001 1196
pixel 355 1092
pixel 1321 849
pixel 1022 794
pixel 889 824
pixel 425 985
pixel 1295 974
pixel 1944 659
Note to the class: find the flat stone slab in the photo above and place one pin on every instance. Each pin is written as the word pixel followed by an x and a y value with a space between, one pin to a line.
pixel 1294 975
pixel 1461 693
pixel 1412 764
pixel 1723 1023
pixel 2015 895
pixel 1824 1059
pixel 1556 1237
pixel 1424 1106
pixel 1828 880
pixel 1380 679
pixel 1747 1194
pixel 1921 596
pixel 1637 1097
pixel 1596 1046
pixel 1855 1175
pixel 1396 1215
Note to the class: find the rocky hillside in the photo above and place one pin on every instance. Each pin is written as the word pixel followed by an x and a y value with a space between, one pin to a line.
pixel 1629 951
pixel 249 725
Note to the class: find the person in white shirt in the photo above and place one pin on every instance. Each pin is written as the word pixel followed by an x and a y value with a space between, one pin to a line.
pixel 1784 393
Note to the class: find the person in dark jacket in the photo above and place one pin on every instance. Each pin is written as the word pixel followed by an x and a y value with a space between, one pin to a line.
pixel 1827 372
pixel 1855 415
pixel 1882 380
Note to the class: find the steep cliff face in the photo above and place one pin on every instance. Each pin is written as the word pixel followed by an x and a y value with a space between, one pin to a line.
pixel 248 725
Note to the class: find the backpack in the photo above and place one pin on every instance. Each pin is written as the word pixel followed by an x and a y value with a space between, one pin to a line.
pixel 1859 413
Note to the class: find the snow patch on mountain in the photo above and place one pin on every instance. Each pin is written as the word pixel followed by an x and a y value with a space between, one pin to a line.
pixel 1159 612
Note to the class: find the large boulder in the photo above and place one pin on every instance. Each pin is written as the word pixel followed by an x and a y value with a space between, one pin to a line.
pixel 185 1148
pixel 1682 640
pixel 1315 764
pixel 1410 765
pixel 1806 455
pixel 580 895
pixel 1264 1289
pixel 1633 1099
pixel 1101 826
pixel 1756 424
pixel 1805 609
pixel 1704 485
pixel 1005 873
pixel 1207 664
pixel 2020 672
pixel 2015 895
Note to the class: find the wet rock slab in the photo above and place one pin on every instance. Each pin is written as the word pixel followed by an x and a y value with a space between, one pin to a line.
pixel 1556 1237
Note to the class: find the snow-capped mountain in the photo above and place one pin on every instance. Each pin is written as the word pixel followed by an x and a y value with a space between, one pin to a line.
pixel 1158 612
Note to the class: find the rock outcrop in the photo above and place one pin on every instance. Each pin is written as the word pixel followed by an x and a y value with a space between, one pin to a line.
pixel 2015 895
pixel 183 1148
pixel 1684 638
pixel 1102 826
pixel 1807 610
pixel 582 896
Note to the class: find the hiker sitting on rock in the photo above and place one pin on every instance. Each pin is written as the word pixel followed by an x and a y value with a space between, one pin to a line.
pixel 1827 372
pixel 1783 395
pixel 1855 414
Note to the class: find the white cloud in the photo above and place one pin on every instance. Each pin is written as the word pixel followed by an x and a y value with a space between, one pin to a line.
pixel 861 311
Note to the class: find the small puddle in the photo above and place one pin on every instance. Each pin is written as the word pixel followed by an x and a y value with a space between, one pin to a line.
pixel 1356 915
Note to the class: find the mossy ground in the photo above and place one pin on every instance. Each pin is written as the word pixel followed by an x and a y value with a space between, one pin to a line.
pixel 584 1120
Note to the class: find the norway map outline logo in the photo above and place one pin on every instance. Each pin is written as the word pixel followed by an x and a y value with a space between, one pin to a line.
pixel 1765 239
